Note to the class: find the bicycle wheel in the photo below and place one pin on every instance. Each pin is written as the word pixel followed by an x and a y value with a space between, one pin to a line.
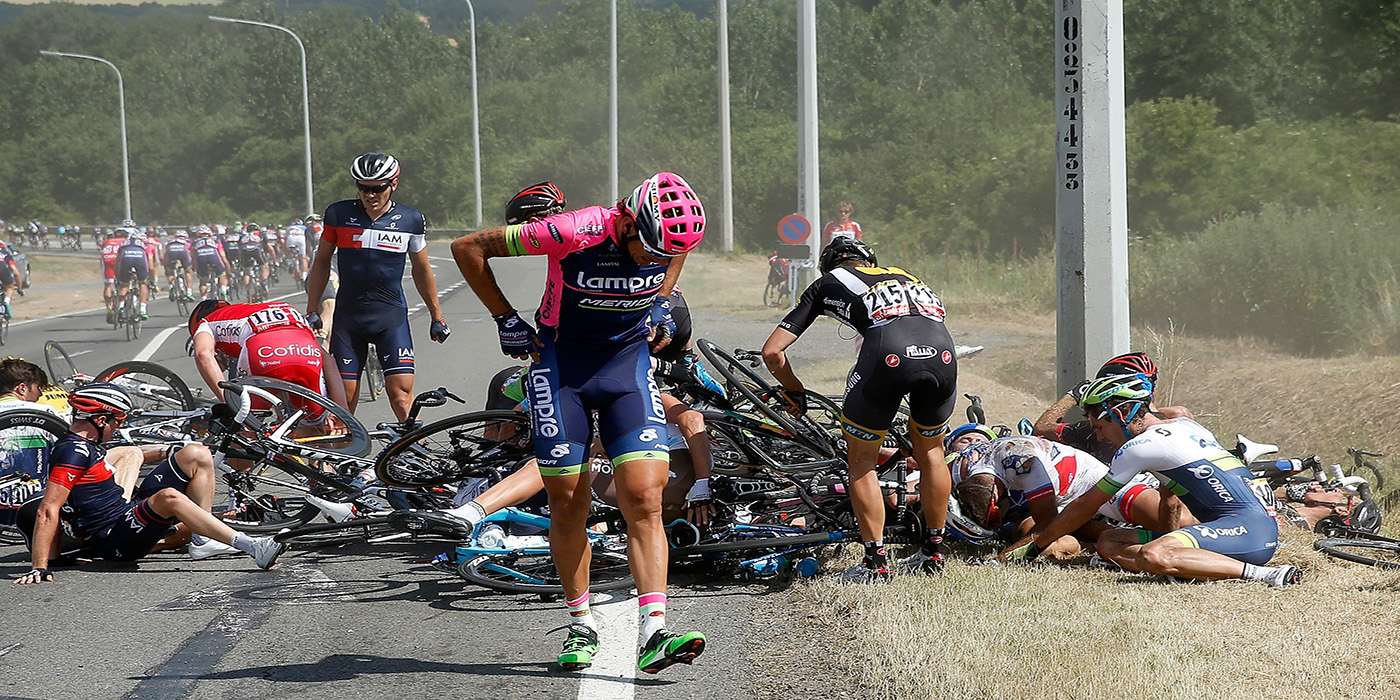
pixel 152 387
pixel 772 294
pixel 374 374
pixel 534 572
pixel 764 398
pixel 29 425
pixel 4 328
pixel 472 444
pixel 739 445
pixel 60 365
pixel 354 528
pixel 1371 550
pixel 343 436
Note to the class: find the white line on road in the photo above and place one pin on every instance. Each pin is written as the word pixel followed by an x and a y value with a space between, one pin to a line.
pixel 613 674
pixel 154 345
pixel 10 648
pixel 70 313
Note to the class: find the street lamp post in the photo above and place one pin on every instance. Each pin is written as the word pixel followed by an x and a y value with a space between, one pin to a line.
pixel 726 170
pixel 612 105
pixel 476 121
pixel 121 98
pixel 305 98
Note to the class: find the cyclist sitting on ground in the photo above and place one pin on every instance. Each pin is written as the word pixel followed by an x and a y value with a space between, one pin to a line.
pixel 375 236
pixel 177 250
pixel 1080 435
pixel 1236 537
pixel 266 340
pixel 995 476
pixel 906 351
pixel 591 354
pixel 134 265
pixel 83 498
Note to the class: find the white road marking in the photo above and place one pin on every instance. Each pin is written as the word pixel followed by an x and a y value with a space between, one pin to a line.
pixel 70 313
pixel 154 345
pixel 9 649
pixel 614 671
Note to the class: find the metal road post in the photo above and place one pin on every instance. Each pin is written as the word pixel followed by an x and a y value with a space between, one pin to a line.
pixel 121 98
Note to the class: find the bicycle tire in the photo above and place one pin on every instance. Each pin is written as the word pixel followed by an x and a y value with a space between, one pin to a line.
pixel 261 513
pixel 778 540
pixel 1387 550
pixel 353 528
pixel 511 572
pixel 175 395
pixel 52 352
pixel 452 449
pixel 738 445
pixel 31 418
pixel 744 380
pixel 374 373
pixel 354 443
pixel 4 328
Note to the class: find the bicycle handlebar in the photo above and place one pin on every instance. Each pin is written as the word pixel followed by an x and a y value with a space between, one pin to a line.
pixel 244 405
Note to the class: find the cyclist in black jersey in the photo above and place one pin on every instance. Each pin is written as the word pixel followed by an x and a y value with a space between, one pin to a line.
pixel 907 351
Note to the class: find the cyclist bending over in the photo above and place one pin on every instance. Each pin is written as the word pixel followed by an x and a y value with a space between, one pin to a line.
pixel 1236 537
pixel 607 266
pixel 906 350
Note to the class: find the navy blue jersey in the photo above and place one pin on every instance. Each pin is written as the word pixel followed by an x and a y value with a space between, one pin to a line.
pixel 372 253
pixel 132 253
pixel 95 501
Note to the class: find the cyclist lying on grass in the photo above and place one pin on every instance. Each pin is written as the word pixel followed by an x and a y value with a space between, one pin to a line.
pixel 995 477
pixel 1236 537
pixel 85 499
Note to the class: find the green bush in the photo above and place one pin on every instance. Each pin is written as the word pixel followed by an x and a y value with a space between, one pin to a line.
pixel 1314 281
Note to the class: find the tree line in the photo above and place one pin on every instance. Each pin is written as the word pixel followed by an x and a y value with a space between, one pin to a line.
pixel 936 117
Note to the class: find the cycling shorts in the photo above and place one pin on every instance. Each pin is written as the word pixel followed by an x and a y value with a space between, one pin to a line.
pixel 207 265
pixel 135 533
pixel 297 243
pixel 254 256
pixel 1248 536
pixel 109 269
pixel 385 326
pixel 913 356
pixel 292 355
pixel 172 258
pixel 678 481
pixel 565 386
pixel 7 278
pixel 134 271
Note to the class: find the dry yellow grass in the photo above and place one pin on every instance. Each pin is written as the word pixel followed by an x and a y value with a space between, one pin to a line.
pixel 1069 632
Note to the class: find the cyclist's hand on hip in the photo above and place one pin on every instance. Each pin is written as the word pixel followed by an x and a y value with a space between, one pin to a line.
pixel 439 331
pixel 518 339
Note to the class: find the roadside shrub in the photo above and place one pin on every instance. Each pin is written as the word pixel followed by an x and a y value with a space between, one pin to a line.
pixel 1315 281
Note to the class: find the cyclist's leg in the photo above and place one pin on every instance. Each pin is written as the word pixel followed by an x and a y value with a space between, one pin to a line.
pixel 349 347
pixel 395 350
pixel 1205 551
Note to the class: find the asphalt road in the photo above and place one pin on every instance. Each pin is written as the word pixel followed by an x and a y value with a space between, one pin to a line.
pixel 361 621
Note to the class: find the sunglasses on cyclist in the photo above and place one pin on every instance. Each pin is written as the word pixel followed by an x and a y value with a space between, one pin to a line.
pixel 372 189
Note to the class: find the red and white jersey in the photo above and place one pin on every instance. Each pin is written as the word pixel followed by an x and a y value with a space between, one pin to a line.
pixel 234 325
pixel 111 248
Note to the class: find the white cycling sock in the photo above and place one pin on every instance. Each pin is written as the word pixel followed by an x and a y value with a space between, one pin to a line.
pixel 653 609
pixel 242 542
pixel 471 511
pixel 580 613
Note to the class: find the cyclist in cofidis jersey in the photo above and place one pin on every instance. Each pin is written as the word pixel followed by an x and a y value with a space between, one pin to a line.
pixel 906 350
pixel 266 340
pixel 607 268
pixel 374 235
pixel 111 250
pixel 1235 538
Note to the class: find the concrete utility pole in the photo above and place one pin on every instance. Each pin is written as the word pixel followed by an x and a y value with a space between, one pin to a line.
pixel 809 190
pixel 476 122
pixel 1091 207
pixel 726 168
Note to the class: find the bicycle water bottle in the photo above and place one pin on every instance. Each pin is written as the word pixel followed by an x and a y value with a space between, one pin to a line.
pixel 491 536
pixel 769 566
pixel 808 567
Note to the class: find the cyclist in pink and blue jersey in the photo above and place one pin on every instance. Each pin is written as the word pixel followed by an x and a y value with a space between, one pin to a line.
pixel 610 270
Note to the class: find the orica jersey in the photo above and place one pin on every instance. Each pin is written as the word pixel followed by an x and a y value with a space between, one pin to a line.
pixel 594 292
pixel 1211 482
pixel 372 252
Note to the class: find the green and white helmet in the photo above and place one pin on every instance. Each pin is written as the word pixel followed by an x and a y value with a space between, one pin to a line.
pixel 1105 394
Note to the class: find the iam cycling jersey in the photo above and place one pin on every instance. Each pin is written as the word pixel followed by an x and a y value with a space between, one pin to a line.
pixel 371 307
pixel 906 348
pixel 1031 469
pixel 1211 482
pixel 595 293
pixel 267 340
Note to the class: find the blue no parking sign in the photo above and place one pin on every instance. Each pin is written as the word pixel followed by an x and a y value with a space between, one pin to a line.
pixel 794 228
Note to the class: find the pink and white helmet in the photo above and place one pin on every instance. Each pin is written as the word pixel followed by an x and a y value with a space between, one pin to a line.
pixel 670 219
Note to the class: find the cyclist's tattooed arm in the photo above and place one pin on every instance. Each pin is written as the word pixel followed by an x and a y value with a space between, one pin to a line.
pixel 471 253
